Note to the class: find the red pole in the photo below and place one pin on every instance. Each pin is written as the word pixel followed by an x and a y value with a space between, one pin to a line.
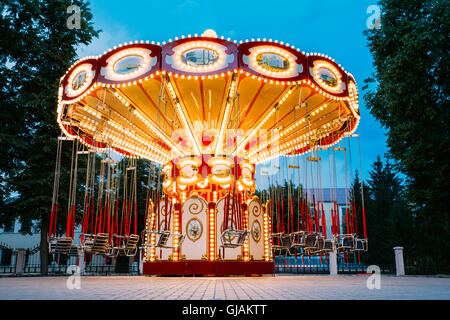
pixel 338 222
pixel 116 228
pixel 306 211
pixel 333 218
pixel 92 213
pixel 303 216
pixel 317 216
pixel 56 217
pixel 288 215
pixel 346 215
pixel 83 220
pixel 86 227
pixel 72 230
pixel 69 218
pixel 99 222
pixel 50 231
pixel 123 216
pixel 292 213
pixel 324 224
pixel 278 216
pixel 108 220
pixel 282 213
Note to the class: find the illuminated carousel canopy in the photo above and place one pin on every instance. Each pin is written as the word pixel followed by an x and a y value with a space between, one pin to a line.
pixel 204 95
pixel 208 110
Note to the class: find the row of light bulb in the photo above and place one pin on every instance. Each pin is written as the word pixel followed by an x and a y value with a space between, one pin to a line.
pixel 144 54
pixel 226 116
pixel 265 119
pixel 121 130
pixel 286 131
pixel 181 115
pixel 279 150
pixel 202 44
pixel 175 147
pixel 277 51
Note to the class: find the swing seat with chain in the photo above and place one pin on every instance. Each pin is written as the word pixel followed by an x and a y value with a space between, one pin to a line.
pixel 126 245
pixel 297 239
pixel 232 238
pixel 360 245
pixel 162 239
pixel 60 245
pixel 345 242
pixel 281 241
pixel 96 244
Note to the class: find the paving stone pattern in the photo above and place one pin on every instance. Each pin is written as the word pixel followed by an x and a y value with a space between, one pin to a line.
pixel 284 287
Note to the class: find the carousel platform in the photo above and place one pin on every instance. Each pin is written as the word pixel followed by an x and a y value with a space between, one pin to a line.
pixel 210 268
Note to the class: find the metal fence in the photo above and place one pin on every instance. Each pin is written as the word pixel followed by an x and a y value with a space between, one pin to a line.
pixel 99 265
pixel 317 265
pixel 302 265
pixel 7 259
pixel 427 269
pixel 59 264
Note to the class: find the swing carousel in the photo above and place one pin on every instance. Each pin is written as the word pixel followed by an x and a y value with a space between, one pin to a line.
pixel 205 110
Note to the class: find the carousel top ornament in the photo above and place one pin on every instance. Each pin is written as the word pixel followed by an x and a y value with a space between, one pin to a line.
pixel 204 95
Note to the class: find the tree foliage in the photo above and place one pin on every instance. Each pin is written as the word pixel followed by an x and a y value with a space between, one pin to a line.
pixel 36 49
pixel 409 95
pixel 389 219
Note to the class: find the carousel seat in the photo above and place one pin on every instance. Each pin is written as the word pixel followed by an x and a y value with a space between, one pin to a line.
pixel 127 245
pixel 310 241
pixel 281 241
pixel 96 244
pixel 360 245
pixel 162 239
pixel 320 243
pixel 60 245
pixel 231 238
pixel 328 245
pixel 345 242
pixel 297 239
pixel 315 246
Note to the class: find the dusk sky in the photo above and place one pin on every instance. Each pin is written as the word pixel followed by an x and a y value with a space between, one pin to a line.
pixel 334 28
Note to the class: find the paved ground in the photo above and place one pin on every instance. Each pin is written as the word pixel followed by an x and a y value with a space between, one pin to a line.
pixel 285 287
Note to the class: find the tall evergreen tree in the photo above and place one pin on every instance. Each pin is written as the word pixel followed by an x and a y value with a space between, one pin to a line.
pixel 36 49
pixel 409 95
pixel 389 220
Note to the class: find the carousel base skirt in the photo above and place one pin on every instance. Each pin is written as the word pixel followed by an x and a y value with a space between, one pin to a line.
pixel 208 268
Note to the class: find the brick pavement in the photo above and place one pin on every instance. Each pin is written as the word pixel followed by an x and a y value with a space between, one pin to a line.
pixel 284 287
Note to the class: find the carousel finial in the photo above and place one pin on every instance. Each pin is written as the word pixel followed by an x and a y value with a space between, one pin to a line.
pixel 209 33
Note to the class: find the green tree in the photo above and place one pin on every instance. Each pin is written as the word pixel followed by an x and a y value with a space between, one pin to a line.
pixel 409 95
pixel 389 219
pixel 36 49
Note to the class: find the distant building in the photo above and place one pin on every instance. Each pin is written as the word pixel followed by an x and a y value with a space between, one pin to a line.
pixel 11 236
pixel 326 197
